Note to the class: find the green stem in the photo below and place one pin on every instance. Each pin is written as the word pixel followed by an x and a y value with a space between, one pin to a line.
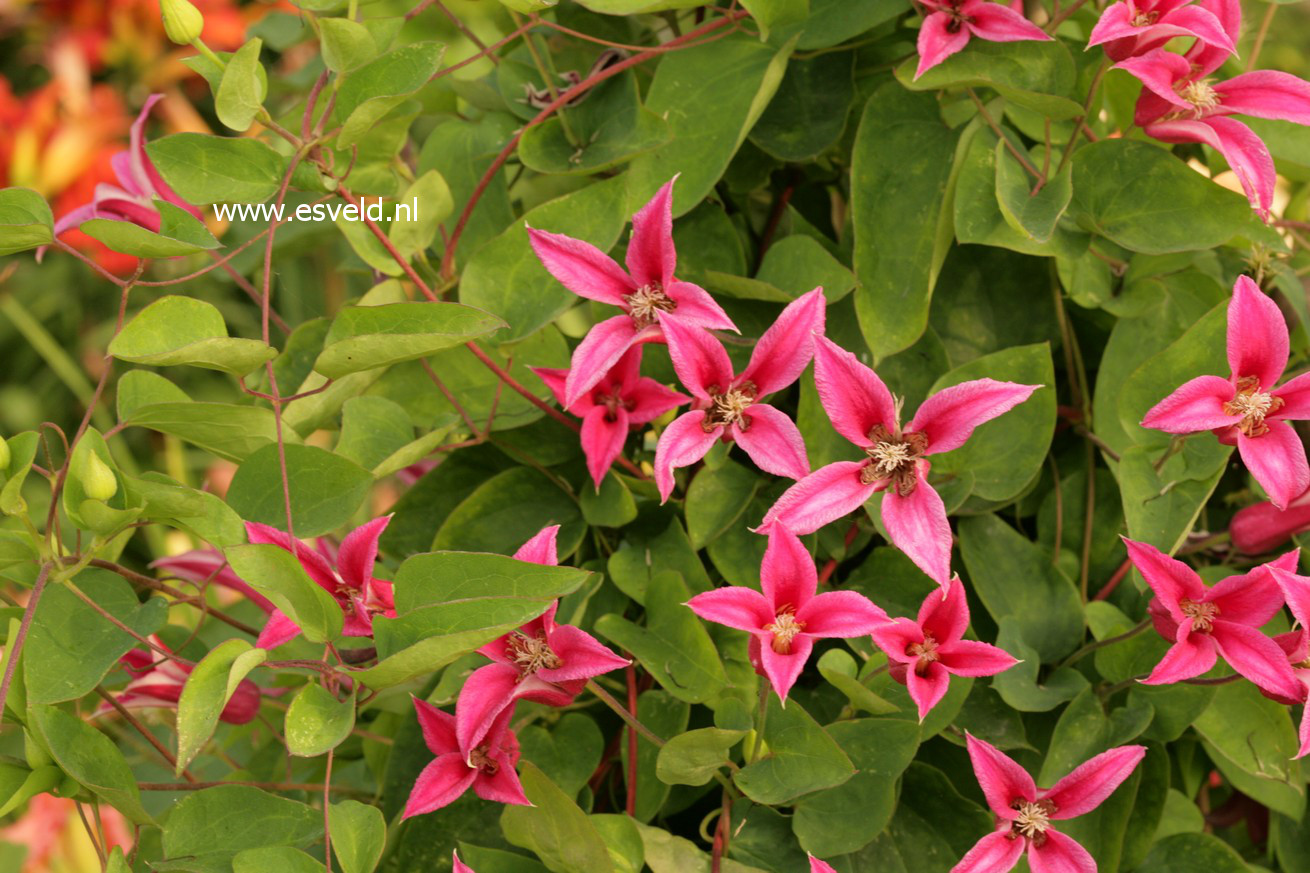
pixel 622 712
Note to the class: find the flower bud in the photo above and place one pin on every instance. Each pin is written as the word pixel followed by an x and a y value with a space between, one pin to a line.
pixel 98 481
pixel 4 455
pixel 182 21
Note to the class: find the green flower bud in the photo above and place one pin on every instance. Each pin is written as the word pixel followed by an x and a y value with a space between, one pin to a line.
pixel 98 481
pixel 182 21
pixel 5 454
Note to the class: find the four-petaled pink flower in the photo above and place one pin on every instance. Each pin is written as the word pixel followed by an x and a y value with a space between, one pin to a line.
pixel 621 401
pixel 1204 622
pixel 157 682
pixel 1135 27
pixel 728 406
pixel 1179 103
pixel 863 411
pixel 1247 408
pixel 139 185
pixel 924 654
pixel 1025 814
pixel 488 768
pixel 648 293
pixel 785 620
pixel 952 23
pixel 1263 527
pixel 542 661
pixel 352 584
pixel 1296 643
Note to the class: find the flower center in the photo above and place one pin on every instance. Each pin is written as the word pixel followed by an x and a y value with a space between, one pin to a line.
pixel 894 458
pixel 729 407
pixel 531 654
pixel 1204 99
pixel 612 403
pixel 1253 405
pixel 480 759
pixel 1145 19
pixel 784 628
pixel 1201 614
pixel 647 302
pixel 1033 820
pixel 925 651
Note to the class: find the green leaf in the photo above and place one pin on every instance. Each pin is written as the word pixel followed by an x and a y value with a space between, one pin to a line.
pixel 372 429
pixel 208 689
pixel 694 757
pixel 772 13
pixel 429 203
pixel 373 90
pixel 1186 853
pixel 716 499
pixel 1143 198
pixel 317 722
pixel 326 489
pixel 508 510
pixel 183 330
pixel 91 758
pixel 240 94
pixel 1033 74
pixel 204 169
pixel 359 834
pixel 137 388
pixel 1005 454
pixel 25 221
pixel 228 819
pixel 797 264
pixel 849 817
pixel 666 853
pixel 1016 580
pixel 808 113
pixel 346 44
pixel 554 828
pixel 801 758
pixel 278 575
pixel 1034 215
pixel 365 337
pixel 900 164
pixel 1251 740
pixel 71 647
pixel 284 859
pixel 229 431
pixel 839 668
pixel 835 21
pixel 568 753
pixel 666 716
pixel 640 559
pixel 673 646
pixel 180 233
pixel 609 506
pixel 711 95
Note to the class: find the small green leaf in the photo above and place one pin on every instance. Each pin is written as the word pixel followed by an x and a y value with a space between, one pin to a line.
pixel 326 489
pixel 284 859
pixel 373 90
pixel 91 758
pixel 204 169
pixel 1034 215
pixel 365 337
pixel 1035 74
pixel 240 94
pixel 227 430
pixel 317 722
pixel 801 758
pixel 346 44
pixel 359 833
pixel 716 499
pixel 222 821
pixel 25 221
pixel 610 506
pixel 429 203
pixel 208 689
pixel 1187 853
pixel 183 330
pixel 554 828
pixel 277 574
pixel 180 233
pixel 694 757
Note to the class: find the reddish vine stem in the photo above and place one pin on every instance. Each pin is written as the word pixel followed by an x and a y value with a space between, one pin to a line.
pixel 631 674
pixel 1108 588
pixel 142 730
pixel 15 646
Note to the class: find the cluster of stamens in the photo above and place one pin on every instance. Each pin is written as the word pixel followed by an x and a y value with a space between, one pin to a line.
pixel 958 18
pixel 925 651
pixel 1201 614
pixel 894 458
pixel 480 759
pixel 1201 95
pixel 613 403
pixel 729 407
pixel 784 628
pixel 647 302
pixel 531 654
pixel 1033 820
pixel 1145 19
pixel 1253 405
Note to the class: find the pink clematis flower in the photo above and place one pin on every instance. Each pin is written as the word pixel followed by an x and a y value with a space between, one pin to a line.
pixel 817 866
pixel 1204 622
pixel 785 620
pixel 488 769
pixel 157 682
pixel 139 185
pixel 620 402
pixel 648 293
pixel 728 406
pixel 203 566
pixel 952 23
pixel 460 866
pixel 352 584
pixel 1246 408
pixel 1179 103
pixel 923 654
pixel 542 661
pixel 1296 644
pixel 1024 813
pixel 1263 527
pixel 1135 27
pixel 863 411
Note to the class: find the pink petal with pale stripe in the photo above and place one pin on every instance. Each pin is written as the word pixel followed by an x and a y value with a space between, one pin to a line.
pixel 651 257
pixel 1059 854
pixel 1194 406
pixel 948 417
pixel 684 442
pixel 937 41
pixel 581 267
pixel 782 353
pixel 823 496
pixel 603 435
pixel 773 442
pixel 541 548
pixel 1091 782
pixel 599 351
pixel 855 399
pixel 1256 657
pixel 699 360
pixel 994 853
pixel 735 606
pixel 1267 94
pixel 787 573
pixel 841 614
pixel 1001 779
pixel 995 22
pixel 1277 461
pixel 918 527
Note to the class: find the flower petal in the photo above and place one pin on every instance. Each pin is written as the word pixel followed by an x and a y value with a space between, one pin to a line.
pixel 787 573
pixel 773 442
pixel 1001 779
pixel 277 630
pixel 735 606
pixel 948 417
pixel 823 496
pixel 1257 334
pixel 583 656
pixel 896 636
pixel 1245 152
pixel 1169 578
pixel 699 359
pixel 1267 94
pixel 1256 657
pixel 314 564
pixel 1091 782
pixel 855 399
pixel 486 693
pixel 1059 854
pixel 1296 591
pixel 359 552
pixel 945 614
pixel 918 527
pixel 503 786
pixel 783 670
pixel 651 256
pixel 1191 655
pixel 650 399
pixel 541 548
pixel 1277 461
pixel 603 435
pixel 1262 527
pixel 695 307
pixel 817 866
pixel 937 42
pixel 441 783
pixel 973 658
pixel 1248 598
pixel 1295 394
pixel 1196 405
pixel 581 267
pixel 842 614
pixel 554 378
pixel 927 690
pixel 996 22
pixel 782 353
pixel 684 442
pixel 459 866
pixel 599 350
pixel 995 853
pixel 438 727
pixel 1158 70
